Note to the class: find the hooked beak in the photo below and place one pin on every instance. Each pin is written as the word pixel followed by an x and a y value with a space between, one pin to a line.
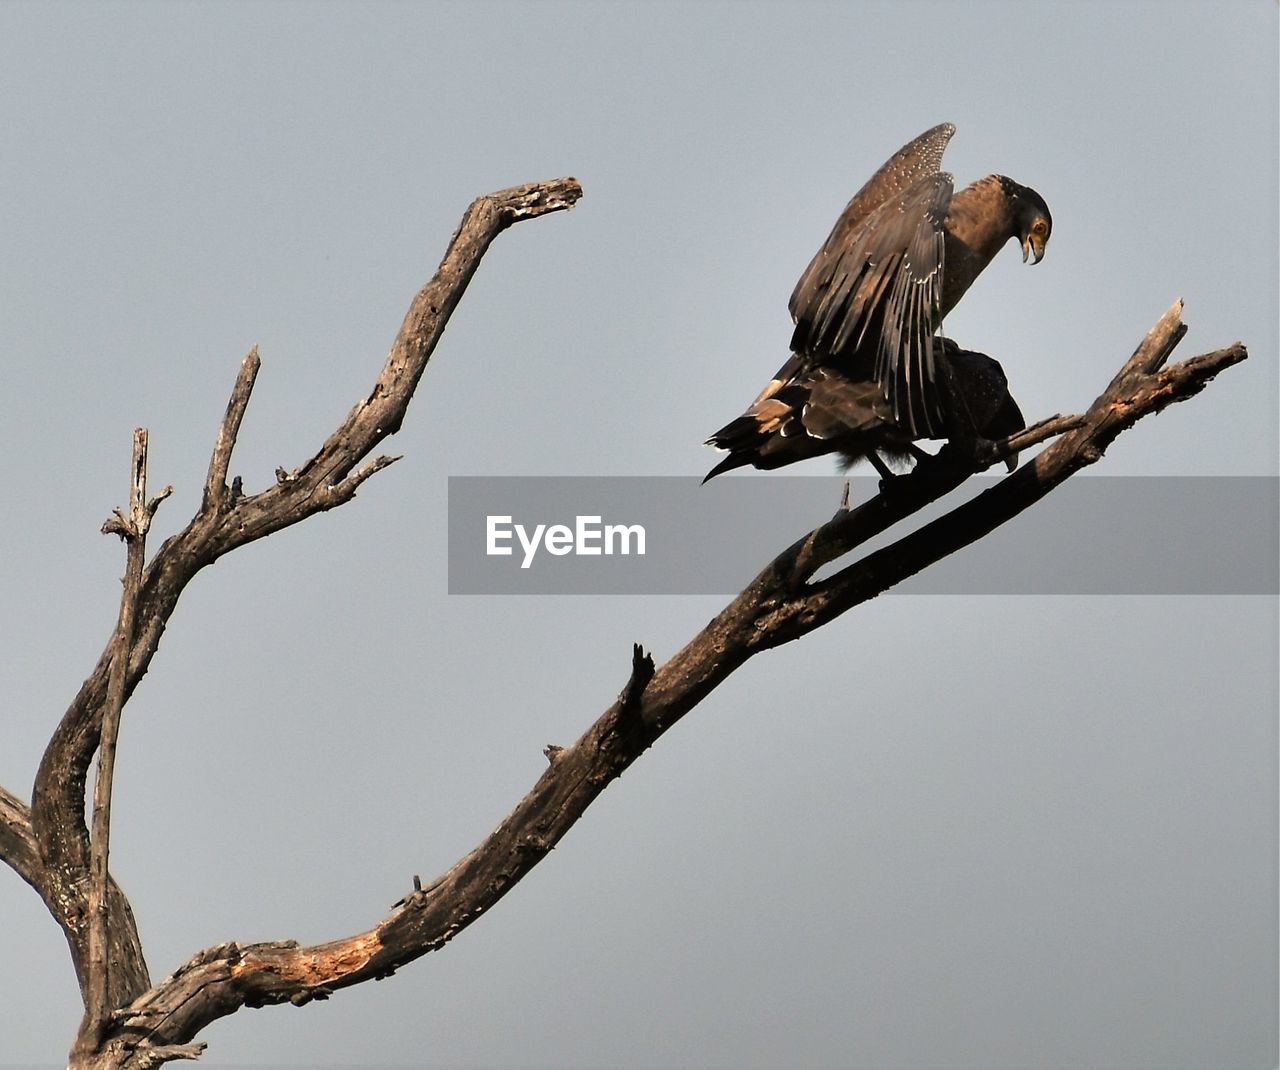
pixel 1033 247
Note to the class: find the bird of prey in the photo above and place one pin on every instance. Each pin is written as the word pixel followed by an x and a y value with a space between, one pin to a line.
pixel 868 307
pixel 808 411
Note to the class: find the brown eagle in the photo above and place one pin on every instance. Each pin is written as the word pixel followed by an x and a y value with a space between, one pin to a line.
pixel 868 371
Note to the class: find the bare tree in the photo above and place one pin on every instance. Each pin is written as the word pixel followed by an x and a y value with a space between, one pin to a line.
pixel 129 1022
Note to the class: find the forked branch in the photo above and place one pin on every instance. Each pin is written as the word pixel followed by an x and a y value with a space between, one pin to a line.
pixel 50 844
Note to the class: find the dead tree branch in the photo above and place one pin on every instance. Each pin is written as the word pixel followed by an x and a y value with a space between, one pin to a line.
pixel 134 1024
pixel 17 841
pixel 227 519
pixel 780 604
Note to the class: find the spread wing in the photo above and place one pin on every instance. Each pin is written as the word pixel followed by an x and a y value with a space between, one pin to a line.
pixel 870 300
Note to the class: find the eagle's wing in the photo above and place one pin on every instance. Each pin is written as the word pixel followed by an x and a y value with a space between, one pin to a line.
pixel 870 299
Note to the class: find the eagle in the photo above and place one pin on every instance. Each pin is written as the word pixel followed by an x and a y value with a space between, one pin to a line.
pixel 868 370
pixel 811 410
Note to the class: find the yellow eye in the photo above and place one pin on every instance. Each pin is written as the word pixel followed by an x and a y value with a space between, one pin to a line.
pixel 1039 228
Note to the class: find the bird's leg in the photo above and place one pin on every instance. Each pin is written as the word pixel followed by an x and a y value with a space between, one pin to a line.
pixel 889 479
pixel 877 462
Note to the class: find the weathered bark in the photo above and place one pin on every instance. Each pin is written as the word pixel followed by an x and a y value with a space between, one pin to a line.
pixel 17 841
pixel 49 845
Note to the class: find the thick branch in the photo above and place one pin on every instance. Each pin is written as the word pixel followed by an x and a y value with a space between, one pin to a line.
pixel 779 605
pixel 226 520
pixel 17 841
pixel 19 851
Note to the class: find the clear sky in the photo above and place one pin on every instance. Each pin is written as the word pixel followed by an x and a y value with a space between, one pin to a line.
pixel 945 831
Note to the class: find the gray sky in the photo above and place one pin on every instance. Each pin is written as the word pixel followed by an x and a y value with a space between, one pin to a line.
pixel 944 832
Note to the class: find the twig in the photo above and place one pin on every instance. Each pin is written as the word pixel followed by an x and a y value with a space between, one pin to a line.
pixel 631 700
pixel 215 487
pixel 1040 431
pixel 641 673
